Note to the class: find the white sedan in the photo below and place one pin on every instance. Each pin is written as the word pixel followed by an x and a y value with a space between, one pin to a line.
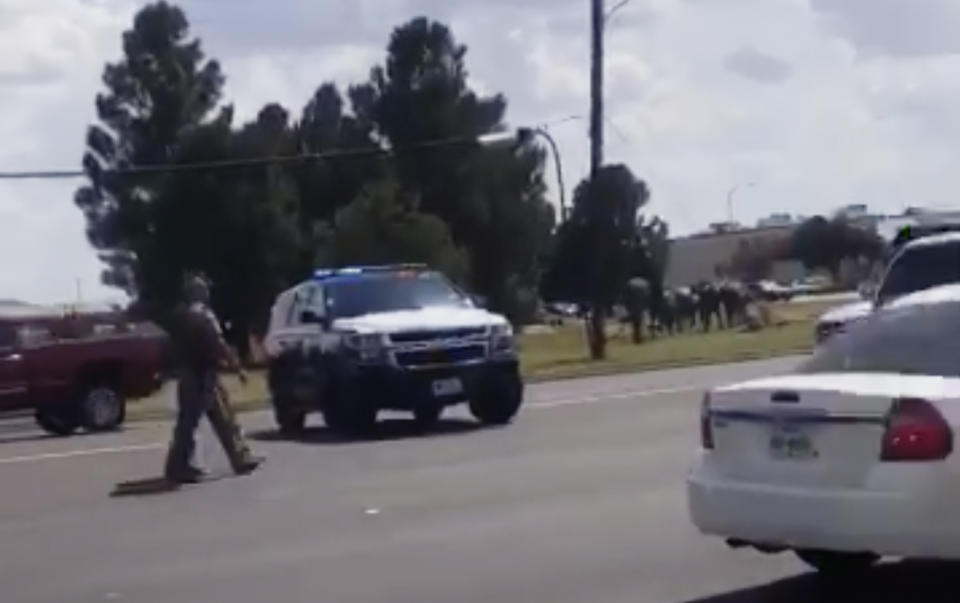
pixel 852 457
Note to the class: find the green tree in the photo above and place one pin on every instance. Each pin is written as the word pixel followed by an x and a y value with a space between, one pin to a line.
pixel 512 228
pixel 239 226
pixel 492 199
pixel 325 125
pixel 822 243
pixel 598 248
pixel 162 88
pixel 381 227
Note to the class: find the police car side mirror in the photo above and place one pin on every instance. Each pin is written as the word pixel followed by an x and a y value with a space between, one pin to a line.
pixel 479 301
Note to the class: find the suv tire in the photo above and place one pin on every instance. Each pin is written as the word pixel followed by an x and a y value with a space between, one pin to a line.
pixel 58 420
pixel 102 408
pixel 498 400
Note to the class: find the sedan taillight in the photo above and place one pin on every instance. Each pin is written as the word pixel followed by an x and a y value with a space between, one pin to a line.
pixel 916 431
pixel 706 425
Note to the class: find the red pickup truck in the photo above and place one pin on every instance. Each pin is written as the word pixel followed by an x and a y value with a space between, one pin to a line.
pixel 77 370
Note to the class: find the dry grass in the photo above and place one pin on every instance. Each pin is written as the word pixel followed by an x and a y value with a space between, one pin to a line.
pixel 563 354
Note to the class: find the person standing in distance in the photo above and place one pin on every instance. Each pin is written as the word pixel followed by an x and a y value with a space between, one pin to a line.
pixel 201 351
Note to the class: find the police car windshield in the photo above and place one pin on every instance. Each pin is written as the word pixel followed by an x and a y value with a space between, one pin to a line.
pixel 370 294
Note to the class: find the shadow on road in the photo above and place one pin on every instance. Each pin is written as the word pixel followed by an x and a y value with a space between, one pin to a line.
pixel 389 429
pixel 920 581
pixel 144 487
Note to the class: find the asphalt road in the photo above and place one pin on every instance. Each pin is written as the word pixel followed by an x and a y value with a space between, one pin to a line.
pixel 580 501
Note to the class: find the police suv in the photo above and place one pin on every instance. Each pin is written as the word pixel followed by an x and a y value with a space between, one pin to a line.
pixel 353 341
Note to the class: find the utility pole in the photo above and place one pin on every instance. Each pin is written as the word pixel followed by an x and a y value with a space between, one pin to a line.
pixel 596 87
pixel 596 328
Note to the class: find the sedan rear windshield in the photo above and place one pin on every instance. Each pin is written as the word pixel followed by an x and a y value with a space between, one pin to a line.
pixel 918 340
pixel 921 268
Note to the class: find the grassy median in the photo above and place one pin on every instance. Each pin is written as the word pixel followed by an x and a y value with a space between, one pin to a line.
pixel 562 353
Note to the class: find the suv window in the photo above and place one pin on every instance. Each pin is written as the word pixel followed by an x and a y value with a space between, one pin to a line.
pixel 8 336
pixel 920 268
pixel 33 334
pixel 918 340
pixel 391 292
pixel 307 299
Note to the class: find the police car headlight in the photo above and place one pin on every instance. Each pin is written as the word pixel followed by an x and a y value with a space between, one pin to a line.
pixel 502 340
pixel 368 346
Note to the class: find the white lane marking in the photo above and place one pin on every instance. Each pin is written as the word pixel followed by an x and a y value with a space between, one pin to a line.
pixel 537 405
pixel 75 453
pixel 620 396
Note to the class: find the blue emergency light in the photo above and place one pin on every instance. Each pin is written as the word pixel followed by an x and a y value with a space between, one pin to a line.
pixel 325 273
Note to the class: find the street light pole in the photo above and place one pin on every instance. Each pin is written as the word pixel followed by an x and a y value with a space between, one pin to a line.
pixel 730 195
pixel 524 134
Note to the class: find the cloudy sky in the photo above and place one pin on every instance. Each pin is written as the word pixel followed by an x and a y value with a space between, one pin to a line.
pixel 819 102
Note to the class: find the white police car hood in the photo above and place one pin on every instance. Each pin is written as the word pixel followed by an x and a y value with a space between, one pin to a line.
pixel 425 319
pixel 847 312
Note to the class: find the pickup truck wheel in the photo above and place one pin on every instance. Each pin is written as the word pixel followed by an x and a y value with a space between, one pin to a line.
pixel 498 400
pixel 60 420
pixel 102 409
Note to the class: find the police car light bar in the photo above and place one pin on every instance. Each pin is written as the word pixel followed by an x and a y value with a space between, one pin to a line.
pixel 353 270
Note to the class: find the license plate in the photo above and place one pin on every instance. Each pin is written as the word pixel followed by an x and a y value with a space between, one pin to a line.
pixel 792 443
pixel 447 387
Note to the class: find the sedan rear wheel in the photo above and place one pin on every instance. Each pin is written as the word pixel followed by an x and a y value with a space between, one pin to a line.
pixel 427 416
pixel 837 564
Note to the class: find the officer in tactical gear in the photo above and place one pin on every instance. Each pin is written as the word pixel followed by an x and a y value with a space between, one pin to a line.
pixel 202 351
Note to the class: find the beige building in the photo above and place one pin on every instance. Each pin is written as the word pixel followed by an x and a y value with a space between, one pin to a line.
pixel 700 257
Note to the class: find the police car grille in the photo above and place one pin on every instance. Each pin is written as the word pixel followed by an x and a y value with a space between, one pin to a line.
pixel 417 336
pixel 440 356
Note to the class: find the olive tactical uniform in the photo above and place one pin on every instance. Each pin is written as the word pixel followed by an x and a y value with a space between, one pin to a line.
pixel 201 350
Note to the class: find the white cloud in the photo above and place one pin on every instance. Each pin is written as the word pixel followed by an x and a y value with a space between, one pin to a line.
pixel 753 64
pixel 898 27
pixel 858 101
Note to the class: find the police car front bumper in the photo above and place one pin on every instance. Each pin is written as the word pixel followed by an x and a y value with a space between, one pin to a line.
pixel 392 387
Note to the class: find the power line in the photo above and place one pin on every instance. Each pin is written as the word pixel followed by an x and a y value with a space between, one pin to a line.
pixel 252 161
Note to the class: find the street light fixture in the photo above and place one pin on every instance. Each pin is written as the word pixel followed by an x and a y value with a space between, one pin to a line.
pixel 731 193
pixel 524 135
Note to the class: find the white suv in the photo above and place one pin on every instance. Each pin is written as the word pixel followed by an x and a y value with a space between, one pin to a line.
pixel 353 341
pixel 923 263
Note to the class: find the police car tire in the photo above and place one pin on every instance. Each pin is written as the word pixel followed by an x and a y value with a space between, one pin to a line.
pixel 498 402
pixel 290 422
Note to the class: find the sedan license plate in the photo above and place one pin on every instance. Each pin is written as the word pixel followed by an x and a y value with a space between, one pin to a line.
pixel 443 388
pixel 792 443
